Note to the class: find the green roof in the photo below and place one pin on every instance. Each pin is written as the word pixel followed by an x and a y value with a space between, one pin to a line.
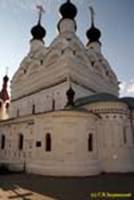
pixel 129 101
pixel 96 98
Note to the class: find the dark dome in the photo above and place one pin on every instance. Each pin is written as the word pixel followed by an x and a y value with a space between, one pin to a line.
pixel 4 93
pixel 70 92
pixel 6 78
pixel 70 97
pixel 68 10
pixel 93 34
pixel 38 32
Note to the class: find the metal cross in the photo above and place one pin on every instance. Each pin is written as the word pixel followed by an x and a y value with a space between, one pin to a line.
pixel 41 11
pixel 92 15
pixel 7 69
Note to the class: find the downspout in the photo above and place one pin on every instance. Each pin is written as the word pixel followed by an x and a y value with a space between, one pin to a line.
pixel 131 122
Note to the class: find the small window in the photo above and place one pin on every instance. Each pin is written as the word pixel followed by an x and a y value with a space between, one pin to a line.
pixel 68 39
pixel 38 144
pixel 62 51
pixel 25 71
pixel 53 104
pixel 41 62
pixel 92 63
pixel 0 104
pixel 125 135
pixel 107 73
pixel 3 141
pixel 90 142
pixel 48 142
pixel 7 106
pixel 21 142
pixel 33 109
pixel 74 52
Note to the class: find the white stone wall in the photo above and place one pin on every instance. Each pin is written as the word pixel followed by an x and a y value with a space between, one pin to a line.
pixel 12 130
pixel 116 152
pixel 69 130
pixel 69 155
pixel 4 109
pixel 43 100
pixel 66 56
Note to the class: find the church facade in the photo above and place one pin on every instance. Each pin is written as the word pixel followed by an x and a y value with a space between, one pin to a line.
pixel 65 116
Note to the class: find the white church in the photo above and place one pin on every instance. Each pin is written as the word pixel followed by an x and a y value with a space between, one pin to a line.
pixel 65 116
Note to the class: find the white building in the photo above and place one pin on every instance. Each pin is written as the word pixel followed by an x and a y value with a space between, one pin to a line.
pixel 65 115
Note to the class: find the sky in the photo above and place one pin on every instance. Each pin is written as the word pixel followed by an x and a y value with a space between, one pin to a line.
pixel 115 19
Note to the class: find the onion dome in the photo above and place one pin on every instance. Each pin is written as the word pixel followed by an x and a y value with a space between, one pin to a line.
pixel 5 79
pixel 4 93
pixel 38 32
pixel 93 34
pixel 70 96
pixel 68 10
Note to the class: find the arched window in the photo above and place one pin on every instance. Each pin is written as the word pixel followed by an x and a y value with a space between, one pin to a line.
pixel 48 142
pixel 53 104
pixel 21 142
pixel 90 142
pixel 41 62
pixel 7 106
pixel 33 109
pixel 125 134
pixel 3 141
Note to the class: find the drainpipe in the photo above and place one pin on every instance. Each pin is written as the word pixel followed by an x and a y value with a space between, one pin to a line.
pixel 131 122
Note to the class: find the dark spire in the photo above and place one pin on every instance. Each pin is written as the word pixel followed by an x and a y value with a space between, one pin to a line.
pixel 38 32
pixel 4 93
pixel 93 34
pixel 70 96
pixel 68 10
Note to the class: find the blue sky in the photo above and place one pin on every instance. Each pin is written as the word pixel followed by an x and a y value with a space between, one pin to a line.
pixel 113 17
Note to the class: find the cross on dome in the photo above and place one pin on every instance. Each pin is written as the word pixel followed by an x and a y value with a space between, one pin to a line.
pixel 7 70
pixel 38 32
pixel 93 34
pixel 41 11
pixel 92 14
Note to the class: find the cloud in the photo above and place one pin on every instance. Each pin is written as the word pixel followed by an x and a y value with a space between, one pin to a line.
pixel 127 88
pixel 130 88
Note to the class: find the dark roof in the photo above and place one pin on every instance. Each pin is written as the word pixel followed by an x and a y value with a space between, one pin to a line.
pixel 96 98
pixel 104 97
pixel 129 101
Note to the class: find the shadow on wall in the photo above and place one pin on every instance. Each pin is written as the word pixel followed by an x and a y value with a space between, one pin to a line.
pixel 64 188
pixel 4 169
